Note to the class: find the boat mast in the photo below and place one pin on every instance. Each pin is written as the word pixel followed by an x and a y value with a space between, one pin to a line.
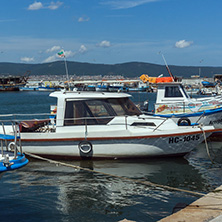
pixel 62 54
pixel 168 69
pixel 67 74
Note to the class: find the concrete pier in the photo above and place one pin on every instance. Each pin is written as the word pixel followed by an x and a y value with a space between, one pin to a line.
pixel 205 209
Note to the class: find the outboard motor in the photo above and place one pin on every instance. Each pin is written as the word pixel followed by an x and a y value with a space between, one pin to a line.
pixel 145 106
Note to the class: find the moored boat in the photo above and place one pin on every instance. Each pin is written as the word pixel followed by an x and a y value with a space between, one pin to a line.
pixel 11 156
pixel 173 102
pixel 12 83
pixel 104 125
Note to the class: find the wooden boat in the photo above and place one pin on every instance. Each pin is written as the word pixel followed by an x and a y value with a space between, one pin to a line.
pixel 12 83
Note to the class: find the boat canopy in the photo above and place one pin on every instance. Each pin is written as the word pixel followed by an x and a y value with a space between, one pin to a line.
pixel 87 95
pixel 170 92
pixel 80 108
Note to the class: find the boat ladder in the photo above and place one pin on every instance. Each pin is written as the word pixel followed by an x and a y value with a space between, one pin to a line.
pixel 11 142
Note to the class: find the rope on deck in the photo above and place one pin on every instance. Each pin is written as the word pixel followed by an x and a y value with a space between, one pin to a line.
pixel 165 187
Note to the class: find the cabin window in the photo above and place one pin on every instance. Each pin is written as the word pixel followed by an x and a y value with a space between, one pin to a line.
pixel 172 91
pixel 76 114
pixel 143 124
pixel 124 107
pixel 98 112
pixel 97 108
pixel 185 93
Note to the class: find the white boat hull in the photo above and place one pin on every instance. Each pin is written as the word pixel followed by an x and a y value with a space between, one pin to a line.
pixel 109 147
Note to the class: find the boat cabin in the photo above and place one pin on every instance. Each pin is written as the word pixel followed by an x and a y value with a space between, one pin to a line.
pixel 81 108
pixel 173 99
pixel 171 92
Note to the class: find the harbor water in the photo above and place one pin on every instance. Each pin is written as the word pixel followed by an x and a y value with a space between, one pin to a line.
pixel 42 191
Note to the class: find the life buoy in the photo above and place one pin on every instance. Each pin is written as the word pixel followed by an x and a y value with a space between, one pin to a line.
pixel 184 122
pixel 85 147
pixel 12 146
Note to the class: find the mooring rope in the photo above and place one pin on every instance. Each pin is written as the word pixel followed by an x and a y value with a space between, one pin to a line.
pixel 116 176
pixel 206 144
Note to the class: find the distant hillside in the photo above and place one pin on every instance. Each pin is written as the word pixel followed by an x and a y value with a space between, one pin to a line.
pixel 130 69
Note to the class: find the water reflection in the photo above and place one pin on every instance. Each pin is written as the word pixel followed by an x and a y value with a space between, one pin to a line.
pixel 72 193
pixel 200 160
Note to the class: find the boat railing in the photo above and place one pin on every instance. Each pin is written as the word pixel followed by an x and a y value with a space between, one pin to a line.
pixel 11 142
pixel 45 122
pixel 20 117
pixel 86 121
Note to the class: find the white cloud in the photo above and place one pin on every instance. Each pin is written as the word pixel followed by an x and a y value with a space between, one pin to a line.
pixel 55 5
pixel 27 59
pixel 69 54
pixel 83 19
pixel 53 49
pixel 82 49
pixel 50 59
pixel 104 44
pixel 39 5
pixel 183 44
pixel 123 4
pixel 35 6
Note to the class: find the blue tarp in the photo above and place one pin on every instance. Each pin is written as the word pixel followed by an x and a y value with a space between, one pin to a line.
pixel 207 84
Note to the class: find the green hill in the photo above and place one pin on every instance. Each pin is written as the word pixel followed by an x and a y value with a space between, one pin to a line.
pixel 130 69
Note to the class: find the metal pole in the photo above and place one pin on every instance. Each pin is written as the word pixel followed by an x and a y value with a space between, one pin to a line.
pixel 126 121
pixel 19 134
pixel 15 139
pixel 67 74
pixel 6 143
pixel 168 69
pixel 2 147
pixel 86 133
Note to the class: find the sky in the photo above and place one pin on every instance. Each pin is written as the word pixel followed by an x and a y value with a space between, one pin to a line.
pixel 186 32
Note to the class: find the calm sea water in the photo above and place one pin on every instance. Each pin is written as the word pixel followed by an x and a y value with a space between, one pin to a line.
pixel 42 191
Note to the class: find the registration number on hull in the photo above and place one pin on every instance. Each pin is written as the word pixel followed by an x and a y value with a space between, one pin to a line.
pixel 177 139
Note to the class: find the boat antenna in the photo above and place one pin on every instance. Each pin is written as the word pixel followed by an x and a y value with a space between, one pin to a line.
pixel 62 55
pixel 167 67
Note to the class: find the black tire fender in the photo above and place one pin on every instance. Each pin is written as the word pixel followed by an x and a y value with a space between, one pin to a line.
pixel 85 147
pixel 184 121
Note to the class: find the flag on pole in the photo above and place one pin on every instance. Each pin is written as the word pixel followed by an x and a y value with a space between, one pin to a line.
pixel 61 53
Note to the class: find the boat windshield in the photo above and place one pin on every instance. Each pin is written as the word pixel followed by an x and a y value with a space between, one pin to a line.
pixel 172 91
pixel 98 111
pixel 184 91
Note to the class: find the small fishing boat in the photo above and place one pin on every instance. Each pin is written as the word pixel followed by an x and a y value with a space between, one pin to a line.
pixel 172 101
pixel 12 83
pixel 11 157
pixel 49 87
pixel 103 125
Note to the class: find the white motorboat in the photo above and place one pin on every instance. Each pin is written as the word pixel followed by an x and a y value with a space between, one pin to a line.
pixel 173 102
pixel 104 125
